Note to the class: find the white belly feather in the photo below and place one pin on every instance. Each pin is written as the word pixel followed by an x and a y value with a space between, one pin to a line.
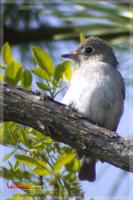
pixel 97 94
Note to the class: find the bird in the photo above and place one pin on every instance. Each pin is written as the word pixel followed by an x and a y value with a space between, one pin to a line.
pixel 96 90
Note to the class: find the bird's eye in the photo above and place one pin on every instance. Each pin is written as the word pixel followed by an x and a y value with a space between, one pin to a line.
pixel 89 50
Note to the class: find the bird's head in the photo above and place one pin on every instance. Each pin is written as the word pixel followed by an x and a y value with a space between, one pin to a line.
pixel 94 49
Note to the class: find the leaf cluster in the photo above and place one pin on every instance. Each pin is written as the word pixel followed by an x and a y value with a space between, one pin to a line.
pixel 35 159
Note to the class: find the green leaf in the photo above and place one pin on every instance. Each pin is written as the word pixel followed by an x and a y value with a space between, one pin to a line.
pixel 43 60
pixel 41 73
pixel 16 196
pixel 42 136
pixel 11 131
pixel 82 37
pixel 74 165
pixel 7 53
pixel 63 69
pixel 6 173
pixel 33 60
pixel 42 164
pixel 67 71
pixel 13 72
pixel 16 165
pixel 43 86
pixel 27 160
pixel 70 176
pixel 23 137
pixel 63 160
pixel 40 171
pixel 58 72
pixel 1 77
pixel 26 78
pixel 1 134
pixel 7 156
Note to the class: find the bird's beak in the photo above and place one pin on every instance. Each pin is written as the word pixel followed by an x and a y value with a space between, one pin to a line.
pixel 73 55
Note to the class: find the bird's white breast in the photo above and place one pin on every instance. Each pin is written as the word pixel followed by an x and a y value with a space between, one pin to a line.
pixel 95 92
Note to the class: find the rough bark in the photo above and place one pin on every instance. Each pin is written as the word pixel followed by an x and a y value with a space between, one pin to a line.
pixel 64 125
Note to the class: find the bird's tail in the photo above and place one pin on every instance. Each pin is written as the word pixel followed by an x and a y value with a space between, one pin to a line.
pixel 87 170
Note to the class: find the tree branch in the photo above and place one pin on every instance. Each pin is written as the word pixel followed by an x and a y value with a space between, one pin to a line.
pixel 64 125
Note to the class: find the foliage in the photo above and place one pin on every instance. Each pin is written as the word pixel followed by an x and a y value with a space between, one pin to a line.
pixel 108 20
pixel 38 161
